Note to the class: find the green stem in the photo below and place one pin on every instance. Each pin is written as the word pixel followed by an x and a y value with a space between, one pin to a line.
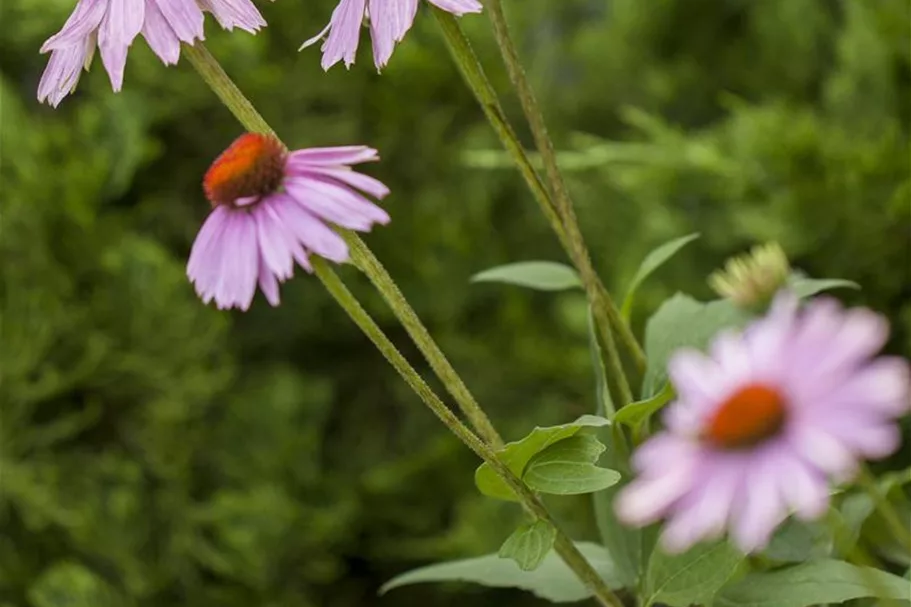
pixel 474 75
pixel 231 96
pixel 543 142
pixel 244 111
pixel 602 306
pixel 367 262
pixel 529 499
pixel 598 295
pixel 885 509
pixel 246 114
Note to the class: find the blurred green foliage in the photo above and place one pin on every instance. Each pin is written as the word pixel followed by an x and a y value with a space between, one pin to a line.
pixel 157 452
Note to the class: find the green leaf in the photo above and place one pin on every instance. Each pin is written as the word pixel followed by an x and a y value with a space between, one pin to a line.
pixel 552 580
pixel 816 582
pixel 516 455
pixel 540 275
pixel 69 584
pixel 804 286
pixel 567 468
pixel 690 578
pixel 798 541
pixel 637 413
pixel 652 262
pixel 529 544
pixel 683 322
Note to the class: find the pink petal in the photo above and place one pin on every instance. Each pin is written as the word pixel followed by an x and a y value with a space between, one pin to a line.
pixel 63 70
pixel 458 7
pixel 82 23
pixel 161 38
pixel 241 14
pixel 344 33
pixel 389 22
pixel 362 182
pixel 122 23
pixel 332 156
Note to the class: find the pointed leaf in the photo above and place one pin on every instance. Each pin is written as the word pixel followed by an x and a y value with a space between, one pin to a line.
pixel 567 468
pixel 552 580
pixel 804 286
pixel 690 578
pixel 652 262
pixel 681 322
pixel 813 583
pixel 635 414
pixel 540 275
pixel 516 455
pixel 529 544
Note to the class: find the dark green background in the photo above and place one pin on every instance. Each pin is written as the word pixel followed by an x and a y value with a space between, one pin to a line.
pixel 158 452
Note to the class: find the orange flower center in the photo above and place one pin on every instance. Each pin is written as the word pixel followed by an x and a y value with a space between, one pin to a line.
pixel 252 166
pixel 750 415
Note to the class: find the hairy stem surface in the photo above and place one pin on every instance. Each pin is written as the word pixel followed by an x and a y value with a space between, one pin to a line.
pixel 247 115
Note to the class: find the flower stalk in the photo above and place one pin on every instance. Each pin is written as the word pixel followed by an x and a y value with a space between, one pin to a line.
pixel 213 74
pixel 607 317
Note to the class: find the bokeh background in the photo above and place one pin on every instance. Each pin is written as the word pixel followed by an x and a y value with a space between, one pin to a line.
pixel 155 451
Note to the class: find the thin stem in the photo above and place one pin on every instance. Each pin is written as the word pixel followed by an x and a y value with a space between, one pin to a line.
pixel 886 510
pixel 231 96
pixel 477 81
pixel 244 111
pixel 234 99
pixel 532 111
pixel 598 295
pixel 475 77
pixel 364 259
pixel 529 499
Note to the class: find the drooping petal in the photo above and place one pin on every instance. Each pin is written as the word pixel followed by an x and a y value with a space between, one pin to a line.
pixel 762 508
pixel 337 204
pixel 63 69
pixel 458 7
pixel 310 231
pixel 268 283
pixel 389 22
pixel 344 33
pixel 84 20
pixel 120 26
pixel 241 14
pixel 161 37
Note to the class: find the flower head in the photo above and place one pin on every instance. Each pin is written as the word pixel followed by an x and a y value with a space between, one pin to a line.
pixel 764 423
pixel 389 20
pixel 752 280
pixel 272 207
pixel 112 25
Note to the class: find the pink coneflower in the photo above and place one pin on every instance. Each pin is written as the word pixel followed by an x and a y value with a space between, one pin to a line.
pixel 113 24
pixel 390 20
pixel 764 422
pixel 271 208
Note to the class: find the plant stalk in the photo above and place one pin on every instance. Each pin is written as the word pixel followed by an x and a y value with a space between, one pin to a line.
pixel 476 78
pixel 578 252
pixel 362 256
pixel 886 510
pixel 247 115
pixel 532 503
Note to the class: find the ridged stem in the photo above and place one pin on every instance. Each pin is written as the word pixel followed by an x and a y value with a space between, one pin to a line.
pixel 578 251
pixel 474 75
pixel 247 115
pixel 210 70
pixel 532 503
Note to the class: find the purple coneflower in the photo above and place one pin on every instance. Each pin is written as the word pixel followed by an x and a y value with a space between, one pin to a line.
pixel 390 20
pixel 765 422
pixel 113 24
pixel 271 208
